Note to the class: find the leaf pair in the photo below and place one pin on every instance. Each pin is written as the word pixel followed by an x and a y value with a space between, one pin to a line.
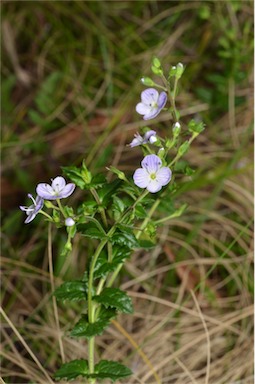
pixel 105 369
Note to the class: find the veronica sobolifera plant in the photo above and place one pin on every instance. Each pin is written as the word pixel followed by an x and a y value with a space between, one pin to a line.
pixel 118 218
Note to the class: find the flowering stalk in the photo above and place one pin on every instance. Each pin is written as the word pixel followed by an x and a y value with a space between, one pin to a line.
pixel 119 219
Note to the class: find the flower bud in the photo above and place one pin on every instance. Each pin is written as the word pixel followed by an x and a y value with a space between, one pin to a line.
pixel 156 70
pixel 179 70
pixel 147 81
pixel 86 175
pixel 156 62
pixel 176 129
pixel 172 71
pixel 69 222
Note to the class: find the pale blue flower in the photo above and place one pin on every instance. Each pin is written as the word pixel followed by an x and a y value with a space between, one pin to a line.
pixel 149 137
pixel 57 190
pixel 152 175
pixel 33 209
pixel 152 103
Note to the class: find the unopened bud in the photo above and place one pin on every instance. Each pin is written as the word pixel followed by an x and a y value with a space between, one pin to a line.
pixel 147 81
pixel 156 62
pixel 69 222
pixel 179 70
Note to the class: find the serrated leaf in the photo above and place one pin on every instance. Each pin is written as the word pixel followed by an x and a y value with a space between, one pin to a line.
pixel 124 236
pixel 75 175
pixel 115 298
pixel 91 230
pixel 72 290
pixel 112 370
pixel 105 193
pixel 85 329
pixel 140 212
pixel 73 369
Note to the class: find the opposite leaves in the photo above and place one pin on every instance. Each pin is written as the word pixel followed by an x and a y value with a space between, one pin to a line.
pixel 103 370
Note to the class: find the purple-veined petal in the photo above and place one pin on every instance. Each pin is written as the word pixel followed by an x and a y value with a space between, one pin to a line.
pixel 138 140
pixel 154 186
pixel 141 178
pixel 67 191
pixel 142 109
pixel 162 100
pixel 30 217
pixel 58 183
pixel 150 115
pixel 151 163
pixel 45 191
pixel 149 96
pixel 148 135
pixel 164 175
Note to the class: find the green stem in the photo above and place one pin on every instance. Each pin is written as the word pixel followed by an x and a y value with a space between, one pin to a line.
pixel 92 312
pixel 102 211
pixel 171 97
pixel 61 208
pixel 46 215
pixel 147 219
pixel 177 157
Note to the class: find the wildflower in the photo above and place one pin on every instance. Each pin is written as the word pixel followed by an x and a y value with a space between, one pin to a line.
pixel 69 222
pixel 149 137
pixel 57 190
pixel 33 209
pixel 152 175
pixel 152 103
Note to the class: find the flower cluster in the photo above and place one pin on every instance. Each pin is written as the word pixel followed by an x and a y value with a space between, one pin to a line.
pixel 57 190
pixel 152 176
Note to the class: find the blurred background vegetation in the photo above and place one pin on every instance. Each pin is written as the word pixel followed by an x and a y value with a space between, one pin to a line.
pixel 70 81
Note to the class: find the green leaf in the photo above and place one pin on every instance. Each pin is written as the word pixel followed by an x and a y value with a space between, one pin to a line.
pixel 124 236
pixel 85 329
pixel 72 290
pixel 73 369
pixel 106 192
pixel 75 175
pixel 103 370
pixel 118 207
pixel 91 230
pixel 103 266
pixel 115 298
pixel 140 212
pixel 183 148
pixel 111 370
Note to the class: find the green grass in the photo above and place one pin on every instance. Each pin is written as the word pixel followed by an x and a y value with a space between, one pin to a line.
pixel 82 62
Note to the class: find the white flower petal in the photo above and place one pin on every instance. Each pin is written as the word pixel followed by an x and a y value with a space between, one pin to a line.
pixel 151 114
pixel 45 191
pixel 154 186
pixel 67 191
pixel 58 183
pixel 141 178
pixel 142 109
pixel 164 175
